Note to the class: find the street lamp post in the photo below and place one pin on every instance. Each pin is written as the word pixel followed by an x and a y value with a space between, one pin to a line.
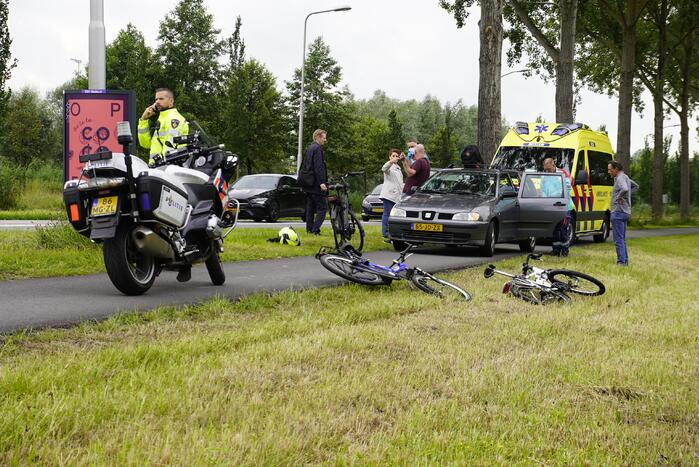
pixel 78 62
pixel 515 71
pixel 303 74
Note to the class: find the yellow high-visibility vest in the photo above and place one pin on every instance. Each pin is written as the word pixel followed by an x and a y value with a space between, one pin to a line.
pixel 171 123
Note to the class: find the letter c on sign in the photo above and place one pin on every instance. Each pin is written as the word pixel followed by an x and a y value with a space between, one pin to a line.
pixel 86 133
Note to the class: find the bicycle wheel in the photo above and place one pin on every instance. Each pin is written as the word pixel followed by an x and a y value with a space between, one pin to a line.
pixel 350 270
pixel 337 224
pixel 436 286
pixel 576 282
pixel 355 229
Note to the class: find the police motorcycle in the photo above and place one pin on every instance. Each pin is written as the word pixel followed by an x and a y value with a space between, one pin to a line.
pixel 166 216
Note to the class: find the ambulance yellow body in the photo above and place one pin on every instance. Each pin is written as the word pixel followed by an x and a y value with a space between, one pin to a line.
pixel 576 149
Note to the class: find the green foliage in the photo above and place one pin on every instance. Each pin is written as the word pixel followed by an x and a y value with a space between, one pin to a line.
pixel 132 65
pixel 7 63
pixel 327 105
pixel 189 50
pixel 24 134
pixel 252 118
pixel 12 182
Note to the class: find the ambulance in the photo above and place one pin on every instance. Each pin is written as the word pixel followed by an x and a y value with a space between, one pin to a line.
pixel 582 153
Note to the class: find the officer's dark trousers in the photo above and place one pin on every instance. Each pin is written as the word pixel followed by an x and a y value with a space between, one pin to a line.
pixel 316 207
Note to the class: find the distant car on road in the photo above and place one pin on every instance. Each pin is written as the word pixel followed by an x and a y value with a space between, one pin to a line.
pixel 372 206
pixel 269 197
pixel 481 207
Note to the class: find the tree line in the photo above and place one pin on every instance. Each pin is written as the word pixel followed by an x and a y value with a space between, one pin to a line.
pixel 616 47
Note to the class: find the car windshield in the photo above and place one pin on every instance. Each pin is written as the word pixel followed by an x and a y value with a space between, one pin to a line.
pixel 532 158
pixel 473 183
pixel 267 182
pixel 377 190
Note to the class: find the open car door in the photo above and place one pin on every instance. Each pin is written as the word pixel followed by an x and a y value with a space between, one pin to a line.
pixel 543 202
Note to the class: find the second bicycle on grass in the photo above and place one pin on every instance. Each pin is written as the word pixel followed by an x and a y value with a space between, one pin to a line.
pixel 347 230
pixel 352 266
pixel 542 286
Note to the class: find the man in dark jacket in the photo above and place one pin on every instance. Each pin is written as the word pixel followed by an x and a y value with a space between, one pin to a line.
pixel 317 194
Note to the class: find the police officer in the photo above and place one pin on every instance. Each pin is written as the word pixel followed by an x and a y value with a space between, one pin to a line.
pixel 170 123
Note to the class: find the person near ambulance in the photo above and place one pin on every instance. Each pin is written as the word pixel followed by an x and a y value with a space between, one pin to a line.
pixel 561 236
pixel 170 123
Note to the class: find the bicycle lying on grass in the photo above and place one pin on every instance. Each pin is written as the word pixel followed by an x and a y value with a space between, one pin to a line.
pixel 542 286
pixel 344 223
pixel 349 264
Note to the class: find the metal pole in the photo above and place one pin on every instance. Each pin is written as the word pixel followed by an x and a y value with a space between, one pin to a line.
pixel 97 64
pixel 303 75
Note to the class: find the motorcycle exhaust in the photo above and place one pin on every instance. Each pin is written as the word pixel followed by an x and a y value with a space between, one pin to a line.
pixel 151 243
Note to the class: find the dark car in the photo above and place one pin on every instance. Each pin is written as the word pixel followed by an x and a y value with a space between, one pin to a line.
pixel 268 196
pixel 372 206
pixel 481 207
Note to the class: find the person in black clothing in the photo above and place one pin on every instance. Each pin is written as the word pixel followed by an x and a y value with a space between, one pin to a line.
pixel 317 194
pixel 471 158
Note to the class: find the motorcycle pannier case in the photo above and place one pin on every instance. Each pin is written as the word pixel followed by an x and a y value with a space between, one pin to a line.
pixel 162 201
pixel 76 207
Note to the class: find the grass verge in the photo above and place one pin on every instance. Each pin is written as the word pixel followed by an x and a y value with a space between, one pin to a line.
pixel 59 251
pixel 375 376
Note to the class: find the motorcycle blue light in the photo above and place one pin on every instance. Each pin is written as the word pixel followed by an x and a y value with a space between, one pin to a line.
pixel 145 202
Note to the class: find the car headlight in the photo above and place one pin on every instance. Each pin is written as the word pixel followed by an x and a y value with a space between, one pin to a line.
pixel 258 200
pixel 398 212
pixel 466 216
pixel 366 204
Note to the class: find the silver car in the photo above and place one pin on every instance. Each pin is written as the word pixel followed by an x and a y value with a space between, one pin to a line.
pixel 482 208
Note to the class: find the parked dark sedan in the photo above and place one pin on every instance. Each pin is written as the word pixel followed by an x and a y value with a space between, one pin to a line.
pixel 268 196
pixel 481 207
pixel 372 206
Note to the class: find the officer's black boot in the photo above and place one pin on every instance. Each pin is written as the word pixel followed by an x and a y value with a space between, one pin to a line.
pixel 185 274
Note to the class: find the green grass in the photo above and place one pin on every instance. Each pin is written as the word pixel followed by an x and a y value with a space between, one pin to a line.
pixel 59 251
pixel 356 375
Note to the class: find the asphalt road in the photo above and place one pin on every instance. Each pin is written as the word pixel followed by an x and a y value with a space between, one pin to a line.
pixel 65 301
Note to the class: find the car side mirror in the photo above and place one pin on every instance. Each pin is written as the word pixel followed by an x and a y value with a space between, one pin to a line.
pixel 286 187
pixel 581 178
pixel 508 194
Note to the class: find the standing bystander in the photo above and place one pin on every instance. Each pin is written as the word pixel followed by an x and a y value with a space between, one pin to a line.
pixel 563 235
pixel 621 209
pixel 391 188
pixel 317 193
pixel 418 172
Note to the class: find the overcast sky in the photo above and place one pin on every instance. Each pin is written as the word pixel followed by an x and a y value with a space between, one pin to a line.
pixel 408 48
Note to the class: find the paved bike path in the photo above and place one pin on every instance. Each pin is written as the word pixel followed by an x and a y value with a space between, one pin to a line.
pixel 65 301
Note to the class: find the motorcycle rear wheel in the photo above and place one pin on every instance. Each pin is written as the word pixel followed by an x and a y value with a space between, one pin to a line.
pixel 131 271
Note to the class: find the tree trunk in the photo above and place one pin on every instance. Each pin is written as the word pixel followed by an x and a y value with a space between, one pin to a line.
pixel 658 137
pixel 564 66
pixel 628 65
pixel 489 116
pixel 684 159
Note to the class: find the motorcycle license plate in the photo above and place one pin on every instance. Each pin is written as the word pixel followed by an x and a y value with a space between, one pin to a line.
pixel 427 227
pixel 104 206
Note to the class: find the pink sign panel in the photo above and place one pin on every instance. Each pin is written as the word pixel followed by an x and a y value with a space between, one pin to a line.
pixel 90 120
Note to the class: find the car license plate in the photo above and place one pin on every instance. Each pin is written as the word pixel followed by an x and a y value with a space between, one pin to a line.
pixel 377 210
pixel 104 206
pixel 428 227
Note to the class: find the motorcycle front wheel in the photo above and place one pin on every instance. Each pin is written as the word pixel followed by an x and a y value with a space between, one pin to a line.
pixel 215 268
pixel 131 271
